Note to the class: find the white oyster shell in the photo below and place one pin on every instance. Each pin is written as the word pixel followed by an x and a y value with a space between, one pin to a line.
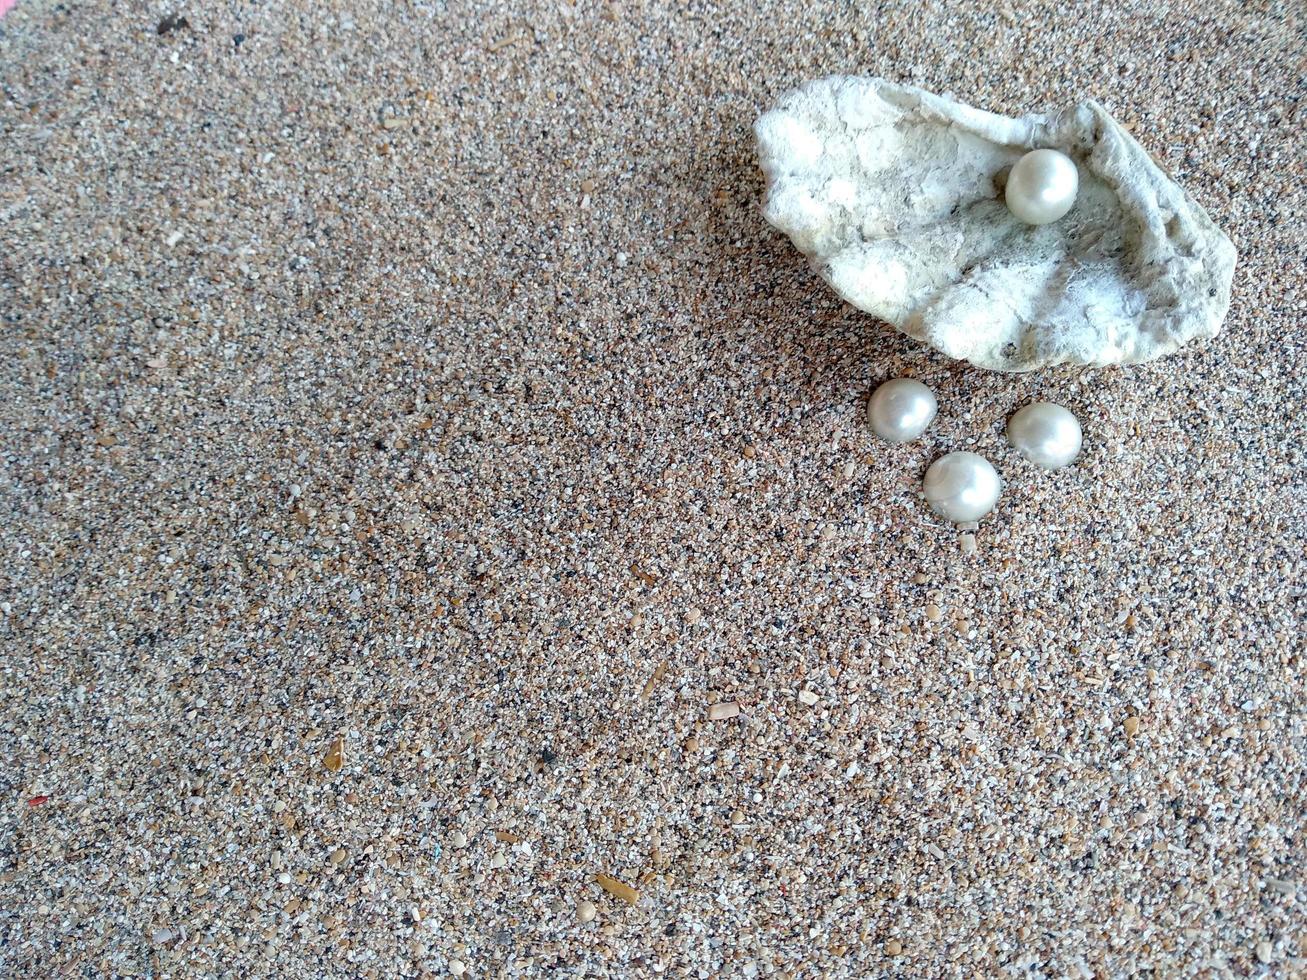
pixel 896 196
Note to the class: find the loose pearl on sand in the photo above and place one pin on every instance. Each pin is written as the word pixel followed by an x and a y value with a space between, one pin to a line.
pixel 1046 434
pixel 962 487
pixel 1042 186
pixel 900 410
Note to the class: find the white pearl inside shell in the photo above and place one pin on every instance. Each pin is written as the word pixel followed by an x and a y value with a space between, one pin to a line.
pixel 1046 434
pixel 900 410
pixel 1042 186
pixel 962 487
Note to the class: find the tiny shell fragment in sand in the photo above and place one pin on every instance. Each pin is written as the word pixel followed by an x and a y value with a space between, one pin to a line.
pixel 618 889
pixel 335 757
pixel 723 710
pixel 654 678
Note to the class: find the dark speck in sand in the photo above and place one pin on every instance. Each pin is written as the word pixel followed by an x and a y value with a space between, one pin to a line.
pixel 172 22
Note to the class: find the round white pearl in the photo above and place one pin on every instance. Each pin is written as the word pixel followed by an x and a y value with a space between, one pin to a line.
pixel 900 410
pixel 1046 434
pixel 1042 186
pixel 962 487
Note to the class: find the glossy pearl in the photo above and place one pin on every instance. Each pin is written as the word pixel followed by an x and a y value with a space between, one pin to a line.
pixel 900 410
pixel 1042 186
pixel 1046 434
pixel 962 487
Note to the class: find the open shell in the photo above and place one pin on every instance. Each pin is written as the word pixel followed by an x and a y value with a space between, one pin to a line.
pixel 896 196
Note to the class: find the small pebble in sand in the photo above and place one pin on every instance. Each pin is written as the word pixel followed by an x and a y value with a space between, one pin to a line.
pixel 499 860
pixel 586 911
pixel 967 543
pixel 723 710
pixel 458 839
pixel 457 968
pixel 1263 952
pixel 933 612
pixel 693 615
pixel 338 855
pixel 809 697
pixel 893 947
pixel 1131 726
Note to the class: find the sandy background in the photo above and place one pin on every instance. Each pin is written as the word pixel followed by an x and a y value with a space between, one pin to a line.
pixel 422 376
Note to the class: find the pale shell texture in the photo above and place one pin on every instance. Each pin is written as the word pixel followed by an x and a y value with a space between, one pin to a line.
pixel 896 196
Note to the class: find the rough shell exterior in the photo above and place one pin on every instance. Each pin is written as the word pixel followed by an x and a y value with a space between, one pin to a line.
pixel 896 196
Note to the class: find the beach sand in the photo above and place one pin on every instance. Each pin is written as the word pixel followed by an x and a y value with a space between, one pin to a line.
pixel 427 485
